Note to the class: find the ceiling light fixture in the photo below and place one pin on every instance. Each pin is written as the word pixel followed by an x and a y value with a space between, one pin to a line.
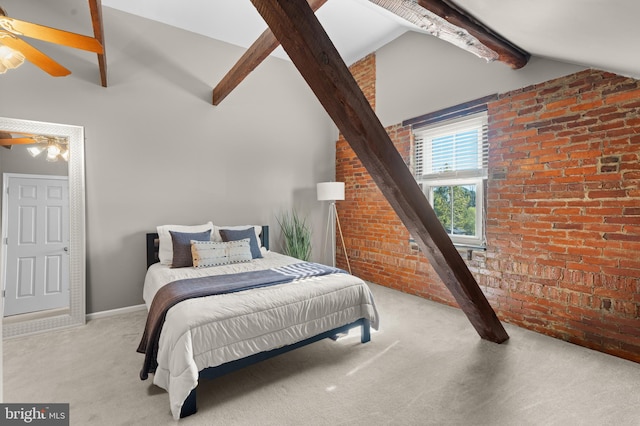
pixel 9 58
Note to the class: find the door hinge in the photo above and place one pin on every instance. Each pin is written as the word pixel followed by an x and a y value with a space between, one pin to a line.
pixel 6 241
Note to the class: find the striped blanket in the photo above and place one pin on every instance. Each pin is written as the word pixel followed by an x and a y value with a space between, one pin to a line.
pixel 180 290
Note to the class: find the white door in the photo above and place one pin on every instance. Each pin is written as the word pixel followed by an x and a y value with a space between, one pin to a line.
pixel 36 243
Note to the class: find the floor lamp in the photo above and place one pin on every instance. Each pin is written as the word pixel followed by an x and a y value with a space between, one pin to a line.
pixel 332 191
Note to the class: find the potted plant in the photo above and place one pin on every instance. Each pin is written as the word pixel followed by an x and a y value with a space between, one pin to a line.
pixel 297 235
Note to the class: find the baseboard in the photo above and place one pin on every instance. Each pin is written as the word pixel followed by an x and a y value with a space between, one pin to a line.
pixel 112 312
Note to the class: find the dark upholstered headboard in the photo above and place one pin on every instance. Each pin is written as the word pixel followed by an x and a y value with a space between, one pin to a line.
pixel 153 244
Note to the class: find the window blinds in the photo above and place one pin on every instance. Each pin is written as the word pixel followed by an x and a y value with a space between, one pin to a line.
pixel 452 148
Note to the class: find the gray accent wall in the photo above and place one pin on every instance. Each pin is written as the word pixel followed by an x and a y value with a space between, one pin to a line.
pixel 158 152
pixel 18 160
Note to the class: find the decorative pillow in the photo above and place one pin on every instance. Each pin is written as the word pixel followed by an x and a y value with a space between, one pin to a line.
pixel 209 253
pixel 239 251
pixel 214 253
pixel 215 235
pixel 182 247
pixel 165 251
pixel 235 235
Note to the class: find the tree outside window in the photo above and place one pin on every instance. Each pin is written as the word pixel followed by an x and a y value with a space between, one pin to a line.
pixel 455 207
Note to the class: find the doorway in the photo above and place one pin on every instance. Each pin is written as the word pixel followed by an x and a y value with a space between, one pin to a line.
pixel 35 238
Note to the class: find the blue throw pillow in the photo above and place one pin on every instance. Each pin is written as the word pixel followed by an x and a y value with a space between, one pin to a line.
pixel 182 246
pixel 241 234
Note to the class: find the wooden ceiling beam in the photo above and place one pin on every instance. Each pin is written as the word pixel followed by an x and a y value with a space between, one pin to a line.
pixel 95 6
pixel 254 55
pixel 312 52
pixel 442 19
pixel 507 52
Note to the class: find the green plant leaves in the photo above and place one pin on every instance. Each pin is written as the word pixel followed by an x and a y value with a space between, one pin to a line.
pixel 297 235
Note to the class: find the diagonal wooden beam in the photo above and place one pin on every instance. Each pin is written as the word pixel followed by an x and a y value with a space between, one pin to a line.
pixel 507 52
pixel 255 54
pixel 305 41
pixel 95 6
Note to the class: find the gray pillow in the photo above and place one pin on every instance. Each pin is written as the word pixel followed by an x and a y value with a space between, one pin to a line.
pixel 182 246
pixel 241 234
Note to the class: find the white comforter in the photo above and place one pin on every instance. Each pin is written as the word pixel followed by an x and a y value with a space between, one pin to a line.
pixel 210 331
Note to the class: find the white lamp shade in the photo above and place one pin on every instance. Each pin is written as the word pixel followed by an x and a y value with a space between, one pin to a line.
pixel 330 191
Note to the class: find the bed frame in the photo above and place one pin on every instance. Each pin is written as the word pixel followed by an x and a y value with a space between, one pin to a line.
pixel 189 406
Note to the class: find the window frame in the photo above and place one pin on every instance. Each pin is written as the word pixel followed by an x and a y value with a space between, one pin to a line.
pixel 453 123
pixel 477 240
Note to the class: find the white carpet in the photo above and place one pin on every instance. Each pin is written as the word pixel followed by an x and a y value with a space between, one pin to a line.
pixel 425 366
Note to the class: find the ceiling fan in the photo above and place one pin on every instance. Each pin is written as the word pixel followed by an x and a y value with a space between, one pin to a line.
pixel 7 140
pixel 12 29
pixel 56 147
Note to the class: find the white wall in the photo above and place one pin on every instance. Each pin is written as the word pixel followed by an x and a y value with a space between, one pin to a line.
pixel 419 74
pixel 157 151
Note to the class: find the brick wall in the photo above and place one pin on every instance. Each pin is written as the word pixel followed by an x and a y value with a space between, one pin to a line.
pixel 563 219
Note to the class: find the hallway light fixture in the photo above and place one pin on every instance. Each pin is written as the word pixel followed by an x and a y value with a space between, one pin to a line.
pixel 56 147
pixel 333 191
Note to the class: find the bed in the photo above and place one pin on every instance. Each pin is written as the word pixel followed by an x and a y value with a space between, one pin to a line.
pixel 210 335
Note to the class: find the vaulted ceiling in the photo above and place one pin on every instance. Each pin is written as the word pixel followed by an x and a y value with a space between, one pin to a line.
pixel 591 33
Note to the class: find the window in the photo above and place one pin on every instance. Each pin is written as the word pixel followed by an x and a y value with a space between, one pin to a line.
pixel 450 165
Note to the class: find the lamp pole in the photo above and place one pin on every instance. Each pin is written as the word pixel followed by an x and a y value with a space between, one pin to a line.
pixel 344 248
pixel 332 191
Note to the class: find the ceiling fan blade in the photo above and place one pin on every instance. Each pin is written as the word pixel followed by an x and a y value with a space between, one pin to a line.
pixel 33 55
pixel 16 141
pixel 52 35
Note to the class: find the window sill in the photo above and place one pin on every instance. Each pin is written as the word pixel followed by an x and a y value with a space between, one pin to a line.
pixel 470 247
pixel 462 248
